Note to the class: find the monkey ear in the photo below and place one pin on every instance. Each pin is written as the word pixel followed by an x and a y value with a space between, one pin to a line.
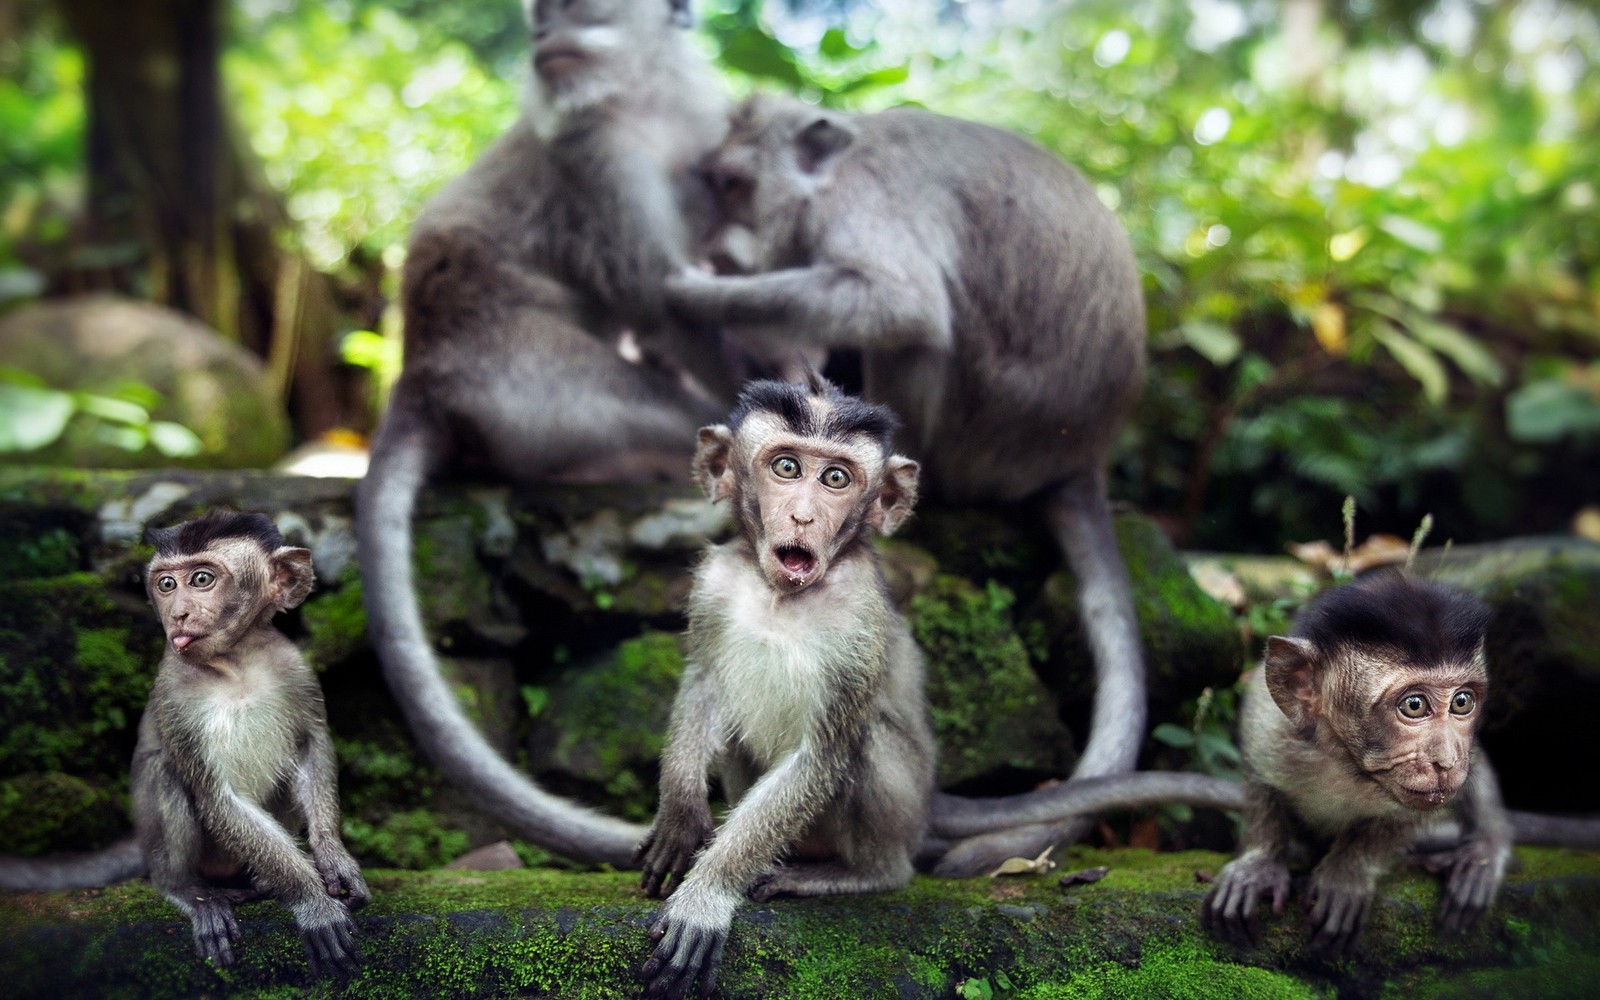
pixel 681 18
pixel 712 466
pixel 1291 670
pixel 897 496
pixel 291 576
pixel 821 141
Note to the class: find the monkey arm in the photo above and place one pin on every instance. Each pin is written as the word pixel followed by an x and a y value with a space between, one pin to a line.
pixel 683 822
pixel 316 793
pixel 1478 865
pixel 1261 869
pixel 828 304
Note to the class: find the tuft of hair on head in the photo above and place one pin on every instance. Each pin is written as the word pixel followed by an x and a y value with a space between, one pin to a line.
pixel 1422 622
pixel 194 537
pixel 816 408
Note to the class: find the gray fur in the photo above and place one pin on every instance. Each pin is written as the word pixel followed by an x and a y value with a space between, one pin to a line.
pixel 999 312
pixel 806 704
pixel 519 276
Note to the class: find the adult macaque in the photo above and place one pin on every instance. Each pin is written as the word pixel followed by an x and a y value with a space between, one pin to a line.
pixel 519 277
pixel 1357 734
pixel 803 689
pixel 234 757
pixel 998 310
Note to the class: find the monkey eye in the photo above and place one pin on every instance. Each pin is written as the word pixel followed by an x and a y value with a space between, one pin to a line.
pixel 1414 706
pixel 835 478
pixel 167 583
pixel 202 578
pixel 786 467
pixel 1462 703
pixel 730 186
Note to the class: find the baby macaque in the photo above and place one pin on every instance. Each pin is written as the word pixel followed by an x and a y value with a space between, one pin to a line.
pixel 1357 733
pixel 803 691
pixel 234 754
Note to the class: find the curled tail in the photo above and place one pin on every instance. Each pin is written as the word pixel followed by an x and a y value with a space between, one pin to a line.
pixel 117 863
pixel 955 817
pixel 1080 519
pixel 407 449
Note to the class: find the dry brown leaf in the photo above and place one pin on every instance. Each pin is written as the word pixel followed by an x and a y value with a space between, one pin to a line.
pixel 1026 866
pixel 1085 877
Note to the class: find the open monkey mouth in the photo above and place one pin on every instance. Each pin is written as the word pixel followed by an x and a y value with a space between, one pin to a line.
pixel 1427 798
pixel 798 561
pixel 556 62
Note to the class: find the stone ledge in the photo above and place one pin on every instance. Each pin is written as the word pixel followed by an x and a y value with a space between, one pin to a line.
pixel 580 935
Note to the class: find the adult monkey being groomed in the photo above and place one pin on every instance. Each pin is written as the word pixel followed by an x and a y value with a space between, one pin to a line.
pixel 998 310
pixel 518 276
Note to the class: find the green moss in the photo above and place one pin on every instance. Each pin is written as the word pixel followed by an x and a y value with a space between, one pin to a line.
pixel 29 551
pixel 1183 971
pixel 989 709
pixel 74 676
pixel 581 732
pixel 336 621
pixel 416 838
pixel 42 813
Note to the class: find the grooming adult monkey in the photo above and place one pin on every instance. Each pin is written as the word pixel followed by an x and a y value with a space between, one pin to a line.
pixel 998 310
pixel 803 689
pixel 232 744
pixel 518 277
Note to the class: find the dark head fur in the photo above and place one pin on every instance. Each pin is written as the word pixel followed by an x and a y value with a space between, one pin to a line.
pixel 194 537
pixel 1423 623
pixel 846 416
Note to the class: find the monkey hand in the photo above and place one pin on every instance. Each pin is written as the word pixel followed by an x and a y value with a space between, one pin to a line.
pixel 329 936
pixel 1340 899
pixel 1476 869
pixel 342 876
pixel 669 849
pixel 1230 909
pixel 216 930
pixel 689 935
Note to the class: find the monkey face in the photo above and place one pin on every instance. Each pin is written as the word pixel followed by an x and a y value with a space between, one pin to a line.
pixel 1416 739
pixel 203 602
pixel 811 497
pixel 778 154
pixel 581 47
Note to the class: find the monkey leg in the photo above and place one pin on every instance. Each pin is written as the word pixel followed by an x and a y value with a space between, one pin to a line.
pixel 174 842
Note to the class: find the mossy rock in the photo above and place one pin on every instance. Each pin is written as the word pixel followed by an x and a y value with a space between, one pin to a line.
pixel 990 711
pixel 1190 639
pixel 601 726
pixel 75 671
pixel 335 621
pixel 560 935
pixel 43 813
pixel 101 343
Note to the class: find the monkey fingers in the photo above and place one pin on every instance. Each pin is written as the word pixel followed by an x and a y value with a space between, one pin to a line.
pixel 342 876
pixel 683 954
pixel 332 948
pixel 1338 915
pixel 1230 908
pixel 666 854
pixel 215 930
pixel 1470 888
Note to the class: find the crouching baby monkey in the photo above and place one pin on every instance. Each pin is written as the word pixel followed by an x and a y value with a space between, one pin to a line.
pixel 803 691
pixel 1357 734
pixel 234 752
pixel 998 310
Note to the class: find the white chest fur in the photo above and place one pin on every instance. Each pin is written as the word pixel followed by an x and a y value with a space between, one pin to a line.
pixel 774 661
pixel 252 739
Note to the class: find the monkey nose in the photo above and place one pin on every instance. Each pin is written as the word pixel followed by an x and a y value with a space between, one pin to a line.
pixel 802 521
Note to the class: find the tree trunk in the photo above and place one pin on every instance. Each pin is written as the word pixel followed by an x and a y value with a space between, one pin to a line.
pixel 177 211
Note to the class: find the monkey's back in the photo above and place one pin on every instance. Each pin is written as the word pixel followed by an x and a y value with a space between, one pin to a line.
pixel 1045 299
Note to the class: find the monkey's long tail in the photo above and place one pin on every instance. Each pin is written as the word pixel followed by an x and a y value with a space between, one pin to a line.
pixel 1080 518
pixel 1556 831
pixel 954 817
pixel 117 863
pixel 404 454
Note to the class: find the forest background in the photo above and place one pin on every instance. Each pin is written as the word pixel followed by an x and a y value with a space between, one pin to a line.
pixel 1368 231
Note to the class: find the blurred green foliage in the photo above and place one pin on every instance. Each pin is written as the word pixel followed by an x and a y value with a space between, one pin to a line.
pixel 1368 231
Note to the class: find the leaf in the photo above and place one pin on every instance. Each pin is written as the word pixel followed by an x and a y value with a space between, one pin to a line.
pixel 886 77
pixel 1173 735
pixel 975 989
pixel 1412 233
pixel 1421 363
pixel 31 418
pixel 1212 341
pixel 750 50
pixel 174 440
pixel 1026 866
pixel 1470 356
pixel 118 411
pixel 1085 877
pixel 1328 326
pixel 1549 410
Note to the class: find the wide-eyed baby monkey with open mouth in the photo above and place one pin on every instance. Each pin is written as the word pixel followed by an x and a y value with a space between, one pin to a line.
pixel 803 689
